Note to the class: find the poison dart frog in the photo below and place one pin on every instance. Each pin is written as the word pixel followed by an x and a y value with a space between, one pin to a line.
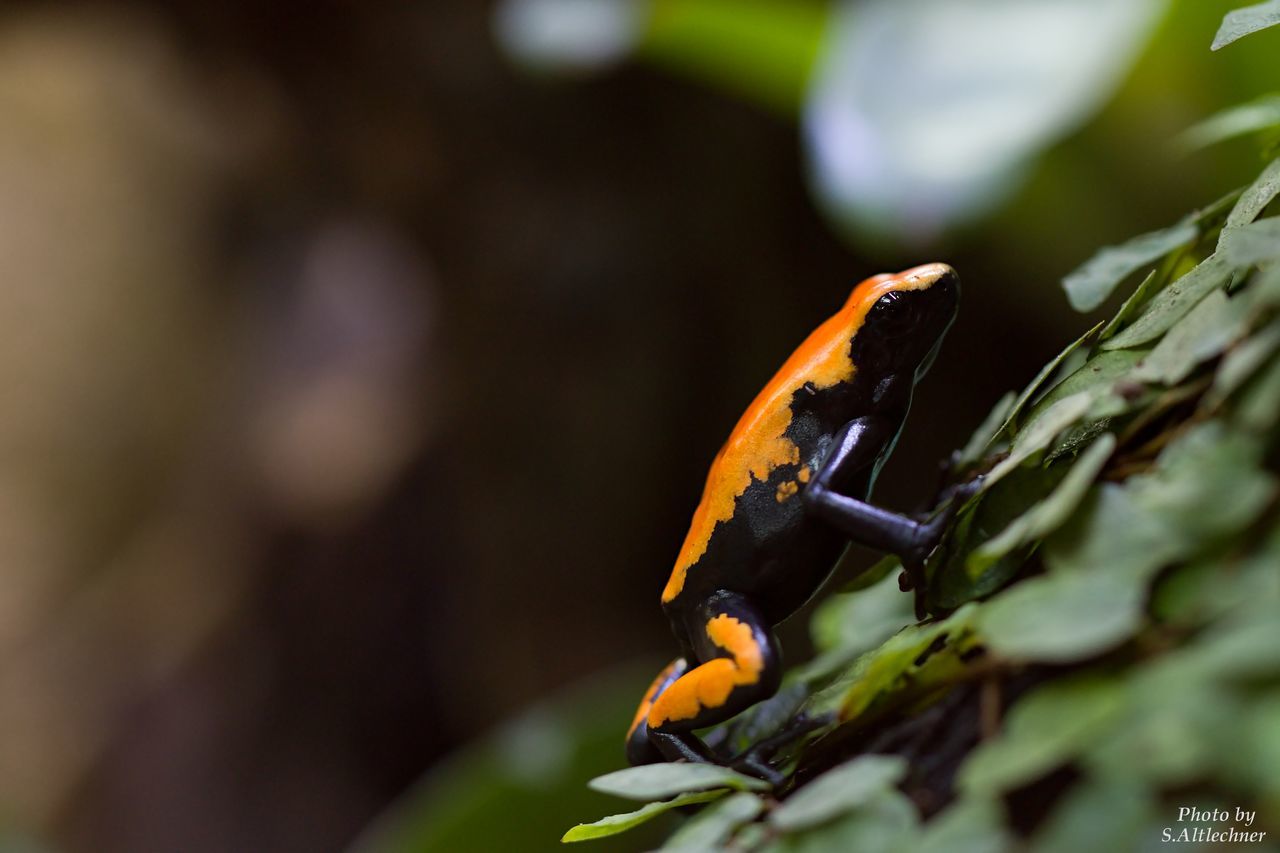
pixel 784 497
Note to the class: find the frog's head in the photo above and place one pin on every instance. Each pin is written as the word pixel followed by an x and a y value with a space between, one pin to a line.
pixel 906 316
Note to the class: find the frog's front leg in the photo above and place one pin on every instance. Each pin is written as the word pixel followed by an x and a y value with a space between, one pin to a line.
pixel 739 664
pixel 856 448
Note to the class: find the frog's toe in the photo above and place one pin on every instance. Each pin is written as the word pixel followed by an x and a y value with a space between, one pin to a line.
pixel 753 765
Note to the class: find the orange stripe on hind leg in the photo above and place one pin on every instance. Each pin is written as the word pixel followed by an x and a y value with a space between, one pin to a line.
pixel 707 686
pixel 654 691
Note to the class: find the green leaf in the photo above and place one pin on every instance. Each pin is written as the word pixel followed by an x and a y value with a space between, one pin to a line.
pixel 1077 438
pixel 753 836
pixel 1240 120
pixel 1172 304
pixel 713 826
pixel 887 821
pixel 1242 362
pixel 764 50
pixel 970 825
pixel 1049 514
pixel 1099 372
pixel 1263 290
pixel 952 584
pixel 1063 617
pixel 1172 732
pixel 1114 530
pixel 1250 762
pixel 1204 333
pixel 846 625
pixel 1089 285
pixel 901 663
pixel 655 781
pixel 1255 197
pixel 1207 485
pixel 1256 583
pixel 986 431
pixel 1246 648
pixel 1241 22
pixel 1069 365
pixel 1195 594
pixel 1038 433
pixel 1259 407
pixel 1034 387
pixel 1043 730
pixel 1254 243
pixel 1183 708
pixel 1098 815
pixel 838 791
pixel 1155 280
pixel 614 824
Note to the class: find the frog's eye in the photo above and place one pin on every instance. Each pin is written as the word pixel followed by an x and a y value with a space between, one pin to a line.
pixel 893 315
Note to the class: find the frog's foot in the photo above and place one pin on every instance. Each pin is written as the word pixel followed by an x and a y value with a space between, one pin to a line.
pixel 757 760
pixel 682 747
pixel 751 765
pixel 913 580
pixel 959 493
pixel 930 529
pixel 686 747
pixel 928 534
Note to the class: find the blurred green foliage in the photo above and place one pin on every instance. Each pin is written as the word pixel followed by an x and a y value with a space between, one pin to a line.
pixel 763 50
pixel 919 118
pixel 519 787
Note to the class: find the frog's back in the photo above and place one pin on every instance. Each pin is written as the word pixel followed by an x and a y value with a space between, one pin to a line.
pixel 751 489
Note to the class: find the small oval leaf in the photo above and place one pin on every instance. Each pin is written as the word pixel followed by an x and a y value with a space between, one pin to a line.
pixel 838 791
pixel 655 781
pixel 614 824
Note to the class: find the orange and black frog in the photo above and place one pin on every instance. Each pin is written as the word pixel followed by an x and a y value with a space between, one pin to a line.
pixel 784 497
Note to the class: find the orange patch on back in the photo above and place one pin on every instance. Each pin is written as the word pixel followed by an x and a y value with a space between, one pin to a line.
pixel 709 685
pixel 786 491
pixel 758 444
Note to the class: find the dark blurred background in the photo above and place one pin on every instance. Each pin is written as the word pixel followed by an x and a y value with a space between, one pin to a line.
pixel 360 384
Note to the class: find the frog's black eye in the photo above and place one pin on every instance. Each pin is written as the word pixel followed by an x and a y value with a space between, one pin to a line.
pixel 893 315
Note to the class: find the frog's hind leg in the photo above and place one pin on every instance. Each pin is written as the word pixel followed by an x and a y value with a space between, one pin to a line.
pixel 640 750
pixel 741 665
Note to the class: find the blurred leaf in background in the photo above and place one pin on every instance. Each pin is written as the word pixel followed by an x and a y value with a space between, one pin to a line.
pixel 917 116
pixel 925 114
pixel 569 35
pixel 523 784
pixel 762 50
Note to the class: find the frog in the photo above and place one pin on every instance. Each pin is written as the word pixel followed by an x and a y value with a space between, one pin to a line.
pixel 787 494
